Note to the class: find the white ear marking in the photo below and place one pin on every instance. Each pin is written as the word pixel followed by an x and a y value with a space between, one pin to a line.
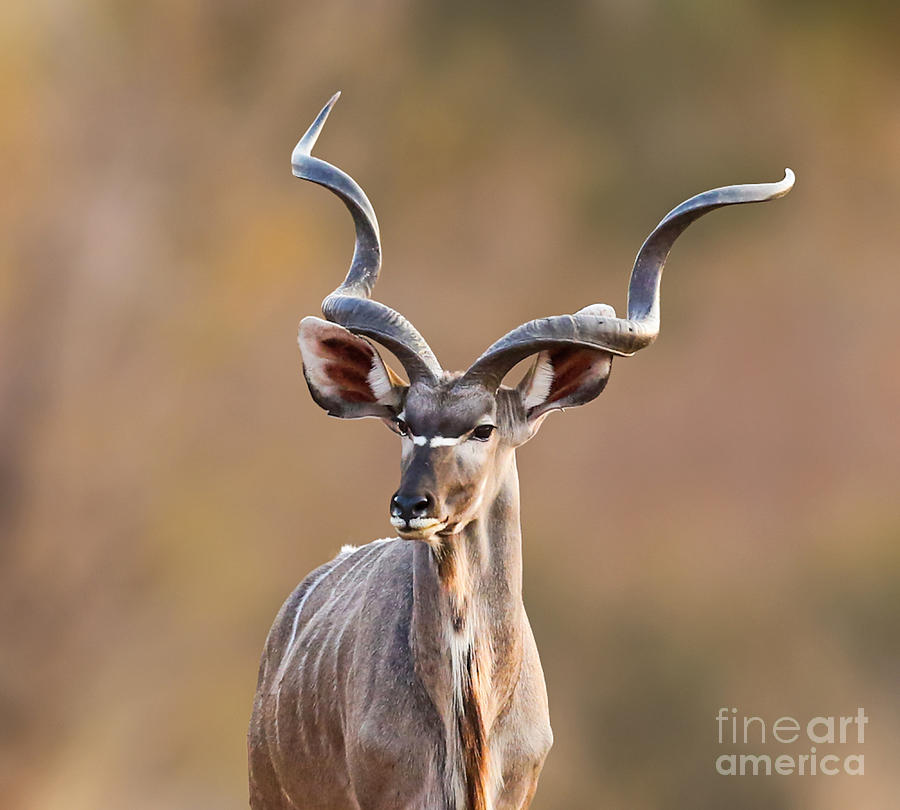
pixel 379 382
pixel 541 382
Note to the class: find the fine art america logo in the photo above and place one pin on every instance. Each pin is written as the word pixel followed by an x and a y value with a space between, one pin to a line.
pixel 832 742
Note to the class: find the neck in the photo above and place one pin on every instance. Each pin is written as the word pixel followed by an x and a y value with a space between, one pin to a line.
pixel 466 631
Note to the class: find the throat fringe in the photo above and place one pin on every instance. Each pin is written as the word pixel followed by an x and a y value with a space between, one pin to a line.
pixel 469 673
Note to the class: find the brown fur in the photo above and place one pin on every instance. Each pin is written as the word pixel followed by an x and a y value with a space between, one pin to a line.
pixel 354 384
pixel 473 736
pixel 470 718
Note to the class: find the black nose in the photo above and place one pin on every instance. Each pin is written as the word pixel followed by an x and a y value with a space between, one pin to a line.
pixel 411 506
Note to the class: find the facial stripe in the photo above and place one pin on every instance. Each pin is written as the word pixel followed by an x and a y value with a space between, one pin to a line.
pixel 435 441
pixel 442 441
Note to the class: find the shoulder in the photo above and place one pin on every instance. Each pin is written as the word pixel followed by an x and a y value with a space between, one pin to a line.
pixel 352 566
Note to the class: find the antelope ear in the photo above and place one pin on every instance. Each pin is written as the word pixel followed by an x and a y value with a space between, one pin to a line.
pixel 563 378
pixel 345 375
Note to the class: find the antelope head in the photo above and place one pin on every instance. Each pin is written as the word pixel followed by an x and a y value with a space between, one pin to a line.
pixel 459 430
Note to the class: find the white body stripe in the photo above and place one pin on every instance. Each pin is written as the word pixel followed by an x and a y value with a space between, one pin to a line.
pixel 346 550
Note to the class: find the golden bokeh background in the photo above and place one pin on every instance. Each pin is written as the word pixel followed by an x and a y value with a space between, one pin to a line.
pixel 721 528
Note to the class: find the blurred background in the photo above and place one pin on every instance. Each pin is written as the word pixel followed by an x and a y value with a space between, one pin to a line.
pixel 719 529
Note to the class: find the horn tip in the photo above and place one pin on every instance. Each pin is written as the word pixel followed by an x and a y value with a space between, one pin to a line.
pixel 787 183
pixel 308 141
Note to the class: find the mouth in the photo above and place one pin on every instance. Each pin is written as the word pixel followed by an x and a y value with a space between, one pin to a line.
pixel 418 528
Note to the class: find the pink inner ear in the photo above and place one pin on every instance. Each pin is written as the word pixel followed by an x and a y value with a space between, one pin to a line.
pixel 347 366
pixel 346 352
pixel 571 367
pixel 354 385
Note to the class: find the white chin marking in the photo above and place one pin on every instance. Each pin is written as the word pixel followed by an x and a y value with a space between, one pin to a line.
pixel 424 523
pixel 423 528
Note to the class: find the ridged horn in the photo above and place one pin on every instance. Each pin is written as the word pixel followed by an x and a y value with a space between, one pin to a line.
pixel 350 305
pixel 596 326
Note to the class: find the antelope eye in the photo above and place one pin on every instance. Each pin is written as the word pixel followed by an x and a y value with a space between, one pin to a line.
pixel 402 427
pixel 483 432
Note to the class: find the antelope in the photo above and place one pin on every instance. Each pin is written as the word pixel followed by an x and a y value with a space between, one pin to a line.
pixel 403 674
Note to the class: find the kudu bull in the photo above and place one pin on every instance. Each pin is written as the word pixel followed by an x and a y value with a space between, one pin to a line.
pixel 403 674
